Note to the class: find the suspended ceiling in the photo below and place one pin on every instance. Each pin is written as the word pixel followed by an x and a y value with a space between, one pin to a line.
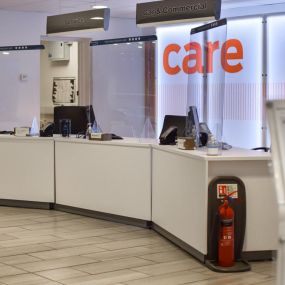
pixel 119 8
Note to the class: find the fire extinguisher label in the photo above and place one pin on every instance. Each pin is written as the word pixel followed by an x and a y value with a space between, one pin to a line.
pixel 224 190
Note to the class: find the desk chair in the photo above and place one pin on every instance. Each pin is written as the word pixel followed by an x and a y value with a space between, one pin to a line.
pixel 174 121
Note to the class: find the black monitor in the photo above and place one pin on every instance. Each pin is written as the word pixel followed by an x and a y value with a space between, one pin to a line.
pixel 175 121
pixel 192 122
pixel 79 116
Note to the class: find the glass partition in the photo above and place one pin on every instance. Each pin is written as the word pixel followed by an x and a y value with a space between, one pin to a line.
pixel 206 64
pixel 124 89
pixel 19 79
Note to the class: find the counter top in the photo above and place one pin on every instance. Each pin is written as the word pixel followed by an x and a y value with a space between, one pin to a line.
pixel 126 142
pixel 232 154
pixel 15 138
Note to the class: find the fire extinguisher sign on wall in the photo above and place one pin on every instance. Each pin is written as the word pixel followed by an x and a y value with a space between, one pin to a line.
pixel 230 190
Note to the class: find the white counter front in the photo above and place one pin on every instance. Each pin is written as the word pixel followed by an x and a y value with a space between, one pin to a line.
pixel 110 177
pixel 27 169
pixel 180 194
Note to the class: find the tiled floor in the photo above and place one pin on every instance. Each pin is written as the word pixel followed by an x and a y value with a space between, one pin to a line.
pixel 40 247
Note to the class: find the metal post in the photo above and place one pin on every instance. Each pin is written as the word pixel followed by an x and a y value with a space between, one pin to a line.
pixel 264 81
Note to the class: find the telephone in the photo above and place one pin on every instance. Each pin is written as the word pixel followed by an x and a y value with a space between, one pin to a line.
pixel 47 131
pixel 169 136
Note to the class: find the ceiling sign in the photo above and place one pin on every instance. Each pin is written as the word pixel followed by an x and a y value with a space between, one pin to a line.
pixel 21 48
pixel 169 11
pixel 95 19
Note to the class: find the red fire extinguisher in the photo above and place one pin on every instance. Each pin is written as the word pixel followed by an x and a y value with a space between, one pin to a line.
pixel 226 237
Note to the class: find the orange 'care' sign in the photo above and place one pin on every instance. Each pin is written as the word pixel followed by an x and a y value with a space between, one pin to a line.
pixel 195 57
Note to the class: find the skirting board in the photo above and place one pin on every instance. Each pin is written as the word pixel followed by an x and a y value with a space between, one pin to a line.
pixel 259 255
pixel 26 204
pixel 249 256
pixel 104 216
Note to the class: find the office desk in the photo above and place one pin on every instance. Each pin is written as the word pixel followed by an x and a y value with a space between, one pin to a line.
pixel 106 177
pixel 26 171
pixel 180 195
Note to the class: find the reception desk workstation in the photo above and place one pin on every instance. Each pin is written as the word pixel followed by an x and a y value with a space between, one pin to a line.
pixel 139 183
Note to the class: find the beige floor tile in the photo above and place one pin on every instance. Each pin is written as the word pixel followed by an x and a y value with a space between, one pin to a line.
pixel 15 223
pixel 126 228
pixel 113 265
pixel 170 279
pixel 65 252
pixel 169 267
pixel 57 218
pixel 162 246
pixel 19 250
pixel 55 263
pixel 122 253
pixel 26 279
pixel 105 278
pixel 247 278
pixel 132 235
pixel 7 270
pixel 28 241
pixel 167 256
pixel 266 267
pixel 39 233
pixel 269 282
pixel 130 243
pixel 87 233
pixel 9 230
pixel 41 226
pixel 4 237
pixel 61 274
pixel 77 242
pixel 18 259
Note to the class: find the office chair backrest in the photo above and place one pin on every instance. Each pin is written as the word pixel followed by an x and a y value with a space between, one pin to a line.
pixel 175 121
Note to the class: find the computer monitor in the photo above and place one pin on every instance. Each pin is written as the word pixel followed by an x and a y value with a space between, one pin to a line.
pixel 175 121
pixel 90 114
pixel 79 116
pixel 192 122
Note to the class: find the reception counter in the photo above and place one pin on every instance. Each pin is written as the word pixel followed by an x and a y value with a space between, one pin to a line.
pixel 139 183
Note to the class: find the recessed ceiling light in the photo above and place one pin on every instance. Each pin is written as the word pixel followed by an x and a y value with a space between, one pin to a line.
pixel 99 7
pixel 5 53
pixel 97 18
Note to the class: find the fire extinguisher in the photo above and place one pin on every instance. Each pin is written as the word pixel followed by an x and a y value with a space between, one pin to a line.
pixel 226 247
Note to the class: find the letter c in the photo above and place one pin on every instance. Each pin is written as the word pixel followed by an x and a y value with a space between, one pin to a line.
pixel 171 70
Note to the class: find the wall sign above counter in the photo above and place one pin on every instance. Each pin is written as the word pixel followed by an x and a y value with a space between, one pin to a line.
pixel 168 11
pixel 22 47
pixel 124 40
pixel 96 19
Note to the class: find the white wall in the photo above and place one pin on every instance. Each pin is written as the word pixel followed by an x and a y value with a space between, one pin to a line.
pixel 51 69
pixel 19 100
